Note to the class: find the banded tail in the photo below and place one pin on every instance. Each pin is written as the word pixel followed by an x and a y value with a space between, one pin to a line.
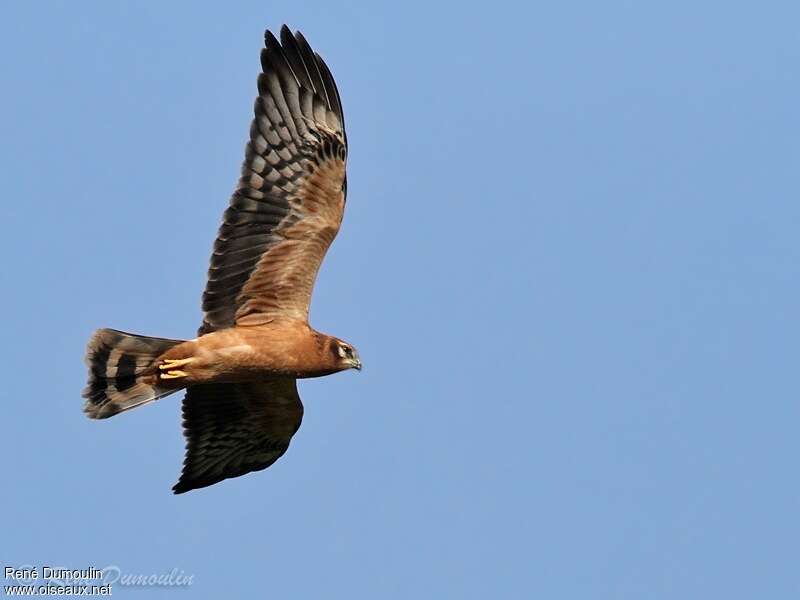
pixel 122 372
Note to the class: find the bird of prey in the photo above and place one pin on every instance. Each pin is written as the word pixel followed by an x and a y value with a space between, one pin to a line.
pixel 241 407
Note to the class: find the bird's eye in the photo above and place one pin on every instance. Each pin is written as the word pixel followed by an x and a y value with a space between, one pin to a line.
pixel 348 352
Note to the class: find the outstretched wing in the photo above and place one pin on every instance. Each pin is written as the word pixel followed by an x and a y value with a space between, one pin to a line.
pixel 290 199
pixel 235 428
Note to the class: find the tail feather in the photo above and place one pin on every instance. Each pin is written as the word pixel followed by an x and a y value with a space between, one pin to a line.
pixel 122 372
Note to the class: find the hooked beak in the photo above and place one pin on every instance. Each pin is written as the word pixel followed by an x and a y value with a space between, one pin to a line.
pixel 357 364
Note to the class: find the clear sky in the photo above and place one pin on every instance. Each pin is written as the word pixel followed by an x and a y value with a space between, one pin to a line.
pixel 569 263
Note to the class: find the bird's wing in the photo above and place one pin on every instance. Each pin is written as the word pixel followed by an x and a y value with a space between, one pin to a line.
pixel 235 428
pixel 290 199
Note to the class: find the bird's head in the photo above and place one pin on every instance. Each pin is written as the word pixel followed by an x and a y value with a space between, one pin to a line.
pixel 345 355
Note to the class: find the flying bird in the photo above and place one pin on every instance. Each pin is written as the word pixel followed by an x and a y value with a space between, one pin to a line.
pixel 240 373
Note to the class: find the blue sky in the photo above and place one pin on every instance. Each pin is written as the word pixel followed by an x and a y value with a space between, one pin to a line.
pixel 569 263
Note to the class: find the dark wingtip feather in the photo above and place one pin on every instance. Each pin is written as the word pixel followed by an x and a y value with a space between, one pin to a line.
pixel 270 41
pixel 181 487
pixel 187 484
pixel 306 64
pixel 271 48
pixel 311 64
pixel 295 57
pixel 330 84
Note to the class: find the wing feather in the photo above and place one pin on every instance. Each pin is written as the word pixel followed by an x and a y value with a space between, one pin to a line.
pixel 235 428
pixel 289 202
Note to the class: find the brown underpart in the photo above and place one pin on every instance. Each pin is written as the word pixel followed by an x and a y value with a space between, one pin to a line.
pixel 282 348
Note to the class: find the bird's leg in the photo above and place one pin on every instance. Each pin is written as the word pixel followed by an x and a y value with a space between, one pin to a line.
pixel 169 368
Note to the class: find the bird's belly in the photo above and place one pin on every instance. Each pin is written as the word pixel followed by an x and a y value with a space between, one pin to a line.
pixel 248 360
pixel 241 362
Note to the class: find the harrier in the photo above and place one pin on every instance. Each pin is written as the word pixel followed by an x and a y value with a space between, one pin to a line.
pixel 240 373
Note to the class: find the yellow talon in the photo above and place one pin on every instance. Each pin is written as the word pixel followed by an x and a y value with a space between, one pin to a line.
pixel 169 367
pixel 170 364
pixel 173 375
